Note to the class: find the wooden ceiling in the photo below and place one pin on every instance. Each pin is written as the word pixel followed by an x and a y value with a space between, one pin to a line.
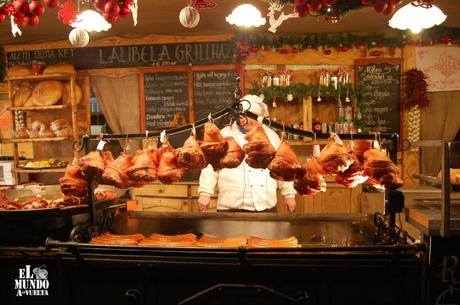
pixel 161 17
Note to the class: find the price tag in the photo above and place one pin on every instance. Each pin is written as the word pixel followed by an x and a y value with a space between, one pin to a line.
pixel 352 145
pixel 193 130
pixel 100 145
pixel 376 144
pixel 337 139
pixel 163 136
pixel 316 150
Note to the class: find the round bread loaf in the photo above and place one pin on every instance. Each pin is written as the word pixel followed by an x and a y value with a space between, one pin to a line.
pixel 59 68
pixel 66 94
pixel 46 93
pixel 20 70
pixel 22 95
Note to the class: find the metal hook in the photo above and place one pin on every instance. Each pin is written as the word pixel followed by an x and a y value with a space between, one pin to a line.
pixel 146 133
pixel 193 130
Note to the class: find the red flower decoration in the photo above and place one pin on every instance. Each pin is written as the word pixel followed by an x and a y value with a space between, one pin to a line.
pixel 295 50
pixel 415 90
pixel 201 4
pixel 68 12
pixel 254 49
pixel 327 52
pixel 284 51
pixel 375 53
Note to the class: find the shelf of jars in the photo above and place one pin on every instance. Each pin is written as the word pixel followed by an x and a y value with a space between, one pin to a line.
pixel 330 104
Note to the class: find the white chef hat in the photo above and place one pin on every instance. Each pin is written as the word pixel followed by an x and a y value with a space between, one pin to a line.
pixel 254 104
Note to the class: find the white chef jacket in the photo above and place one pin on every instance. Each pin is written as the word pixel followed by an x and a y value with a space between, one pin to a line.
pixel 244 187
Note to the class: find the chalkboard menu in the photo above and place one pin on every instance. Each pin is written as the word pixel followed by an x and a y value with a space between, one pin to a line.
pixel 166 99
pixel 213 91
pixel 381 81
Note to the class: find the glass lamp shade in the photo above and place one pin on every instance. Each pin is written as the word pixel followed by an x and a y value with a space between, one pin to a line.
pixel 91 21
pixel 417 18
pixel 246 15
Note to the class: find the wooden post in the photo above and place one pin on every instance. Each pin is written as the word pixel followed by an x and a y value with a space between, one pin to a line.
pixel 307 114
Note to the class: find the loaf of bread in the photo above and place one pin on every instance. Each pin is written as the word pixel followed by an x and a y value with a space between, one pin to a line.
pixel 66 94
pixel 46 93
pixel 38 125
pixel 22 95
pixel 59 68
pixel 21 133
pixel 20 70
pixel 46 133
pixel 454 175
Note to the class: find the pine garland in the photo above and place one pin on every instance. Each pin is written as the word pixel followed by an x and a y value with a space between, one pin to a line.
pixel 300 91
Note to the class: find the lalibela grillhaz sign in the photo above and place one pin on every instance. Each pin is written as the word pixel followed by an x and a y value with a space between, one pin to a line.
pixel 32 281
pixel 174 54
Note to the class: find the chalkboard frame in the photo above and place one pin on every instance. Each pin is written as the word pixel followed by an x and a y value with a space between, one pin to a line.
pixel 391 61
pixel 189 69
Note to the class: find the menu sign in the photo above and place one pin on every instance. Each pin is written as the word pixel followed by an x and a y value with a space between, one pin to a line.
pixel 166 99
pixel 381 81
pixel 154 55
pixel 213 91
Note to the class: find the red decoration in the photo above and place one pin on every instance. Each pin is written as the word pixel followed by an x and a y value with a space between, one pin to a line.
pixel 329 2
pixel 344 48
pixel 392 51
pixel 300 2
pixel 314 5
pixel 124 12
pixel 33 20
pixel 68 12
pixel 284 51
pixel 390 10
pixel 36 8
pixel 112 8
pixel 243 54
pixel 254 49
pixel 295 50
pixel 9 9
pixel 19 19
pixel 446 39
pixel 327 52
pixel 2 17
pixel 415 90
pixel 99 4
pixel 301 10
pixel 110 18
pixel 376 53
pixel 21 6
pixel 396 2
pixel 202 4
pixel 379 6
pixel 366 2
pixel 51 3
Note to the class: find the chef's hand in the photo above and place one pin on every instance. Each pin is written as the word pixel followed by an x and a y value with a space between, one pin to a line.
pixel 290 204
pixel 203 202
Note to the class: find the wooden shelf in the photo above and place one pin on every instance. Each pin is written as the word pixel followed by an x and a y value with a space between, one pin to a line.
pixel 40 77
pixel 55 139
pixel 44 170
pixel 34 108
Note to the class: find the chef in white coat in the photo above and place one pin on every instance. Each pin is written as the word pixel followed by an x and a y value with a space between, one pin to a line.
pixel 245 188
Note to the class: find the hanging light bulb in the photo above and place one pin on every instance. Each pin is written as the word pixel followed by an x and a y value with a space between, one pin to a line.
pixel 417 15
pixel 246 15
pixel 91 21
